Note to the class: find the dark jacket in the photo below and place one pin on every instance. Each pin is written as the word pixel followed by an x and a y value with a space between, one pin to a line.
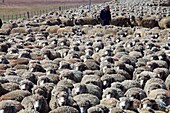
pixel 105 17
pixel 0 23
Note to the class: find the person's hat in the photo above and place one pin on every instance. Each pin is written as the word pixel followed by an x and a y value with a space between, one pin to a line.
pixel 106 5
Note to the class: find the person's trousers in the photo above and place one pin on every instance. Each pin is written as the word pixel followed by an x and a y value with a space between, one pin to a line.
pixel 104 22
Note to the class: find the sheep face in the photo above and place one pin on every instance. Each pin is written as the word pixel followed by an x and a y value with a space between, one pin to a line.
pixel 162 98
pixel 38 105
pixel 147 104
pixel 83 107
pixel 26 87
pixel 62 98
pixel 9 109
pixel 78 90
pixel 43 80
pixel 124 103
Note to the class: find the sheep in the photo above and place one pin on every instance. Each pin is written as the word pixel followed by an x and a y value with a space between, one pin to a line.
pixel 85 101
pixel 126 67
pixel 72 75
pixel 164 22
pixel 40 90
pixel 93 72
pixel 80 66
pixel 107 80
pixel 149 22
pixel 67 22
pixel 51 55
pixel 157 63
pixel 116 110
pixel 64 30
pixel 167 82
pixel 162 72
pixel 3 91
pixel 128 59
pixel 19 30
pixel 61 99
pixel 29 76
pixel 28 111
pixel 80 88
pixel 43 79
pixel 154 83
pixel 143 76
pixel 13 95
pixel 10 106
pixel 95 110
pixel 147 110
pixel 65 109
pixel 85 21
pixel 66 83
pixel 112 93
pixel 103 107
pixel 147 103
pixel 92 65
pixel 94 79
pixel 160 94
pixel 35 102
pixel 136 93
pixel 10 86
pixel 130 84
pixel 36 68
pixel 121 70
pixel 52 29
pixel 109 102
pixel 26 85
pixel 128 103
pixel 120 21
pixel 119 86
pixel 19 61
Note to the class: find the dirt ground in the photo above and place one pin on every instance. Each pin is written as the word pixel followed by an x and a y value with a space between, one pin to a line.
pixel 14 7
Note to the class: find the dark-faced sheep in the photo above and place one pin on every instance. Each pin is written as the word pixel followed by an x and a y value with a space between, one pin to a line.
pixel 154 83
pixel 85 21
pixel 164 22
pixel 13 95
pixel 36 102
pixel 95 109
pixel 136 93
pixel 92 79
pixel 162 73
pixel 10 106
pixel 130 84
pixel 10 86
pixel 167 82
pixel 61 99
pixel 160 94
pixel 65 109
pixel 85 101
pixel 128 104
pixel 86 89
pixel 112 93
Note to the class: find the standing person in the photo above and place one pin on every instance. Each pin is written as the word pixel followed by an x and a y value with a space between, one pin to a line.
pixel 105 16
pixel 0 23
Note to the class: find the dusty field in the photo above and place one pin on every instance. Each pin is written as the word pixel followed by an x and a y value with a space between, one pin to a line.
pixel 13 7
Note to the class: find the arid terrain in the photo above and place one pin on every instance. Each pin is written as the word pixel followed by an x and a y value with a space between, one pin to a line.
pixel 12 7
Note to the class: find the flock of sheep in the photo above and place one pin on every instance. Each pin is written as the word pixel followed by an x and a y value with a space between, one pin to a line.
pixel 66 62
